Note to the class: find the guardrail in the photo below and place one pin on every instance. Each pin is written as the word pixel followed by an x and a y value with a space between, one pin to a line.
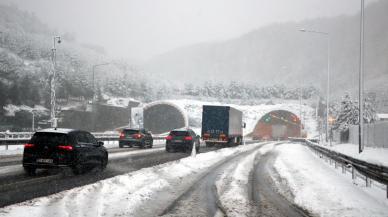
pixel 18 138
pixel 370 171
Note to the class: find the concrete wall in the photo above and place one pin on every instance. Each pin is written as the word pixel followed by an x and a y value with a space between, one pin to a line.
pixel 375 135
pixel 100 118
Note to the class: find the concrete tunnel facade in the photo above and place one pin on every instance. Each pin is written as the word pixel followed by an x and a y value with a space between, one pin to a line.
pixel 162 116
pixel 277 124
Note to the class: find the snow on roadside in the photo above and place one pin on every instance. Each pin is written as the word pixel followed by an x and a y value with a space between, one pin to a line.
pixel 12 150
pixel 18 149
pixel 322 190
pixel 232 187
pixel 377 156
pixel 131 194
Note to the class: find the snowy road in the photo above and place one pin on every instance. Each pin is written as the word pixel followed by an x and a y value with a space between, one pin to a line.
pixel 263 179
pixel 238 186
pixel 270 202
pixel 16 186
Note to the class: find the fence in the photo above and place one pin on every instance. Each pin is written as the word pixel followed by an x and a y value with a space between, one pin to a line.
pixel 375 135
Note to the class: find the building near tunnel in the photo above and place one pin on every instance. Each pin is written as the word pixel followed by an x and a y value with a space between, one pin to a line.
pixel 277 124
pixel 161 117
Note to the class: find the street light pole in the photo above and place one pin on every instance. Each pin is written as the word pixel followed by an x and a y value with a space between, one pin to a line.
pixel 57 39
pixel 361 83
pixel 93 79
pixel 328 76
pixel 33 120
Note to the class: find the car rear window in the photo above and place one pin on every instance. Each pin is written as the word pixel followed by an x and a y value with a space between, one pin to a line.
pixel 52 139
pixel 179 133
pixel 130 132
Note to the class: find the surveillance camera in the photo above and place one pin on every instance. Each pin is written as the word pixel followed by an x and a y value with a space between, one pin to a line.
pixel 59 41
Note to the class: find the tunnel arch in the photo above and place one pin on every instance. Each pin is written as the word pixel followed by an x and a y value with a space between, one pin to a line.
pixel 162 116
pixel 277 124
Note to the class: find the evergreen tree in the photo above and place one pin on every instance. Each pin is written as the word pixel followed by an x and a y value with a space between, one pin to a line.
pixel 348 114
pixel 14 94
pixel 3 97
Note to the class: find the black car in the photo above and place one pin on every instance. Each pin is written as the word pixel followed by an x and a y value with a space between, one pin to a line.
pixel 136 137
pixel 182 140
pixel 55 148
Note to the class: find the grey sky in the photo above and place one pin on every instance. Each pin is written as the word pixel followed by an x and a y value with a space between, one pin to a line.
pixel 140 29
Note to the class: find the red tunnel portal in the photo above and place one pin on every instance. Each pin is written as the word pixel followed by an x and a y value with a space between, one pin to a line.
pixel 278 124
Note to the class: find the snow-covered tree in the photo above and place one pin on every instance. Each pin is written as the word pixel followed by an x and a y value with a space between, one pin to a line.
pixel 349 113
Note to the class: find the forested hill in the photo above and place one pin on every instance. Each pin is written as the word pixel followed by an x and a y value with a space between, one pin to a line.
pixel 25 64
pixel 279 53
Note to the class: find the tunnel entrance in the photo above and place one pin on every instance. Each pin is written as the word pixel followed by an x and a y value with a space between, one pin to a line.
pixel 278 124
pixel 161 117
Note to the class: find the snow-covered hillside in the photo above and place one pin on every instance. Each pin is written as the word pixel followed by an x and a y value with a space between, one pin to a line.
pixel 252 114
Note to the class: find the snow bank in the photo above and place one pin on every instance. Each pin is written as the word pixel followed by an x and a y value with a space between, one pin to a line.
pixel 132 194
pixel 11 109
pixel 120 101
pixel 377 156
pixel 322 189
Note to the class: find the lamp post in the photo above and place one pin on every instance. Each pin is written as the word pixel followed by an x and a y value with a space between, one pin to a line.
pixel 93 70
pixel 328 75
pixel 56 39
pixel 361 83
pixel 33 120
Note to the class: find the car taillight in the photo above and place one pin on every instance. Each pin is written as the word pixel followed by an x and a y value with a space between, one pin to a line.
pixel 29 145
pixel 169 137
pixel 188 138
pixel 122 135
pixel 137 136
pixel 65 147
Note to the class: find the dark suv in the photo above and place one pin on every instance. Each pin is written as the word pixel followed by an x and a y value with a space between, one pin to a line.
pixel 54 148
pixel 182 140
pixel 136 137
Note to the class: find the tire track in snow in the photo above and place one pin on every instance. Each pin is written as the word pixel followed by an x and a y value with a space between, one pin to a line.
pixel 202 199
pixel 265 194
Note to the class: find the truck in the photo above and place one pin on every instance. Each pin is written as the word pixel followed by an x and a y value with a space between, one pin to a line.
pixel 222 125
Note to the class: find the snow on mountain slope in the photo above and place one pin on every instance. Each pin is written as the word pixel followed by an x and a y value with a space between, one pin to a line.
pixel 252 114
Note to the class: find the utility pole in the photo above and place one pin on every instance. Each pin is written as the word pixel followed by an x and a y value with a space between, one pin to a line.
pixel 328 77
pixel 57 39
pixel 33 121
pixel 361 83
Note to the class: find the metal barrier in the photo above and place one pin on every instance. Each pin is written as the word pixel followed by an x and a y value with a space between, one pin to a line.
pixel 19 138
pixel 369 170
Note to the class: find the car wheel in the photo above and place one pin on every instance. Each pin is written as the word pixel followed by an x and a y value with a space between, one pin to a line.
pixel 168 149
pixel 31 171
pixel 104 162
pixel 121 146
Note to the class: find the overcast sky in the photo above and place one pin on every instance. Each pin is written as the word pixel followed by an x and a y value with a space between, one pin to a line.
pixel 139 29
